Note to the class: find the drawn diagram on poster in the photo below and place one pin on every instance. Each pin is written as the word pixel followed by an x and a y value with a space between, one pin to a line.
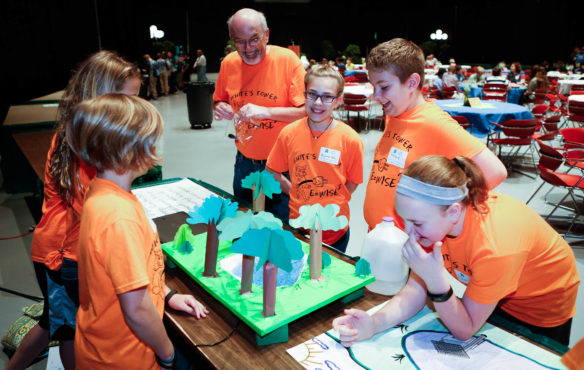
pixel 423 343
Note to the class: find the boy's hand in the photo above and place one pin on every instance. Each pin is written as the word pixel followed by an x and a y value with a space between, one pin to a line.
pixel 223 111
pixel 187 303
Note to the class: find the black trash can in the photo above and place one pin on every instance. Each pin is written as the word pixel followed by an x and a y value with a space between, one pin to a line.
pixel 200 103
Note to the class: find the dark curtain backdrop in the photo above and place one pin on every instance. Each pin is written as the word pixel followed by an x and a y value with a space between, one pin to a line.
pixel 43 41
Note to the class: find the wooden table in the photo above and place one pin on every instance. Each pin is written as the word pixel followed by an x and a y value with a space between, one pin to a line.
pixel 35 146
pixel 240 350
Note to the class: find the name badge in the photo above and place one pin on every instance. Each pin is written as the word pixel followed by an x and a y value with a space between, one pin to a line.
pixel 331 156
pixel 465 279
pixel 397 157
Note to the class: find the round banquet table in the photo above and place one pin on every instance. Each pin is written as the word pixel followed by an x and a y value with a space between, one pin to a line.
pixel 566 85
pixel 481 117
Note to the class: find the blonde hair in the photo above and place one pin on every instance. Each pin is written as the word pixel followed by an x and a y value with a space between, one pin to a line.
pixel 451 173
pixel 103 72
pixel 402 57
pixel 325 70
pixel 115 132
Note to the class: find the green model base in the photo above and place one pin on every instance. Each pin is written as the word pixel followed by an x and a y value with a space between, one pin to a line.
pixel 292 302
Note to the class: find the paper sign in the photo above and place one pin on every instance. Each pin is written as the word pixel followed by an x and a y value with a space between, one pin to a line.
pixel 475 102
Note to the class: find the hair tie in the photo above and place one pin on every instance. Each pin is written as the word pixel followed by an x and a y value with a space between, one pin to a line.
pixel 458 163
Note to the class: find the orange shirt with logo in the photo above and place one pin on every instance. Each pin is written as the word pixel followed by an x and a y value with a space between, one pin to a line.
pixel 421 131
pixel 513 256
pixel 319 168
pixel 119 251
pixel 277 81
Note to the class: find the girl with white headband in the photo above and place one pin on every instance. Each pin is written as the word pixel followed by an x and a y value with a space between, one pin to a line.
pixel 511 261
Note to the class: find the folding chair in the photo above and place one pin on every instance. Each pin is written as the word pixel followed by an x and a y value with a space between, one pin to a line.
pixel 549 161
pixel 517 133
pixel 448 92
pixel 356 103
pixel 576 112
pixel 495 91
pixel 431 92
pixel 463 122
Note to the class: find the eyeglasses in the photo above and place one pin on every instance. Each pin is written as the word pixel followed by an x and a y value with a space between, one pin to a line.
pixel 253 42
pixel 325 98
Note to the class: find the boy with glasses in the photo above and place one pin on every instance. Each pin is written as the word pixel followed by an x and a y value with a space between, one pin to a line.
pixel 324 156
pixel 263 85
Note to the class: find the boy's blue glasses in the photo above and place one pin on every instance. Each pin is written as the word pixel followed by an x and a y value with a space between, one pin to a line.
pixel 325 98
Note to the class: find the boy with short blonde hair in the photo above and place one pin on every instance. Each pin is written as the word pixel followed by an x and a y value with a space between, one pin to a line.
pixel 121 268
pixel 414 128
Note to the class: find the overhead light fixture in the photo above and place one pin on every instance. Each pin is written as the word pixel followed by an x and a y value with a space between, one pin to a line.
pixel 439 35
pixel 155 33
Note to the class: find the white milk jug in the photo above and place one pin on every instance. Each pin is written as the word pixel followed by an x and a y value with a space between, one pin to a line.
pixel 382 248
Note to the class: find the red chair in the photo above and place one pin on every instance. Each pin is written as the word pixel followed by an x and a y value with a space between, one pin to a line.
pixel 576 88
pixel 495 91
pixel 549 161
pixel 448 92
pixel 538 113
pixel 576 112
pixel 573 146
pixel 463 122
pixel 518 133
pixel 355 103
pixel 432 92
pixel 541 95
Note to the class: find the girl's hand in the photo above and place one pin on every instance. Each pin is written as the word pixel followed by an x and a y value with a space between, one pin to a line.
pixel 355 325
pixel 187 303
pixel 428 265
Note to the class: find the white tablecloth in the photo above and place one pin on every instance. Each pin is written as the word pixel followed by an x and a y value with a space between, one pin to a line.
pixel 566 85
pixel 578 98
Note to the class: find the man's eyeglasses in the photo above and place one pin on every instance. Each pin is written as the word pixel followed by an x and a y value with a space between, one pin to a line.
pixel 325 98
pixel 253 42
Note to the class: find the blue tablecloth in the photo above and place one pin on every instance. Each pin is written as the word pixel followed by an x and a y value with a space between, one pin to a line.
pixel 513 94
pixel 353 71
pixel 494 111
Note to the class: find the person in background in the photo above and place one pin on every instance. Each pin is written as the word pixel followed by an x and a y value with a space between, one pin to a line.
pixel 539 81
pixel 122 291
pixel 438 81
pixel 201 66
pixel 432 62
pixel 299 147
pixel 496 77
pixel 450 78
pixel 262 87
pixel 164 71
pixel 516 75
pixel 478 76
pixel 349 66
pixel 153 73
pixel 513 263
pixel 414 128
pixel 459 73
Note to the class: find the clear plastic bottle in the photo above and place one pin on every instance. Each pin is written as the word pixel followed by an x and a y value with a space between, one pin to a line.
pixel 382 248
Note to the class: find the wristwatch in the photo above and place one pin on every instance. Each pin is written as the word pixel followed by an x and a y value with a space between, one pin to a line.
pixel 441 297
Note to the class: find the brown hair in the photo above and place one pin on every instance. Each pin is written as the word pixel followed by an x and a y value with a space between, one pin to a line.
pixel 517 66
pixel 541 78
pixel 451 173
pixel 115 131
pixel 402 57
pixel 103 72
pixel 325 70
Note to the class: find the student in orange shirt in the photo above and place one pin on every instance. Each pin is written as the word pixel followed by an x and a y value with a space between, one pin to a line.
pixel 121 266
pixel 324 156
pixel 66 179
pixel 511 261
pixel 414 128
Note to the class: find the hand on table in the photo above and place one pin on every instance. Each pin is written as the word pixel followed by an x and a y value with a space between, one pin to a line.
pixel 355 325
pixel 187 303
pixel 223 111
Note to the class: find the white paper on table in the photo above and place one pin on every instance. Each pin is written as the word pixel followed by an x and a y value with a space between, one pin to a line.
pixel 166 199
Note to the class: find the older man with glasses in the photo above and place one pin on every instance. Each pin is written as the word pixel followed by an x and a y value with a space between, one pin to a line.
pixel 261 88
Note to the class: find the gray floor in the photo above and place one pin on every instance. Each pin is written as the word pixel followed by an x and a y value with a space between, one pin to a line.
pixel 206 154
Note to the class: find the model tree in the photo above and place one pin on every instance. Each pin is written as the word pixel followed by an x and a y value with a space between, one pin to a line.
pixel 262 184
pixel 213 210
pixel 317 218
pixel 235 227
pixel 276 248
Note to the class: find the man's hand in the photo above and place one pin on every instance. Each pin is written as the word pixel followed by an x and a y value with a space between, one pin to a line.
pixel 223 111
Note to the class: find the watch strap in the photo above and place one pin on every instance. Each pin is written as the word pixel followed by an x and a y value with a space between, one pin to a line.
pixel 441 297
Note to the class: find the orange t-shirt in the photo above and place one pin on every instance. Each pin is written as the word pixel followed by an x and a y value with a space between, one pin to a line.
pixel 277 81
pixel 118 252
pixel 319 168
pixel 512 256
pixel 421 131
pixel 49 233
pixel 574 358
